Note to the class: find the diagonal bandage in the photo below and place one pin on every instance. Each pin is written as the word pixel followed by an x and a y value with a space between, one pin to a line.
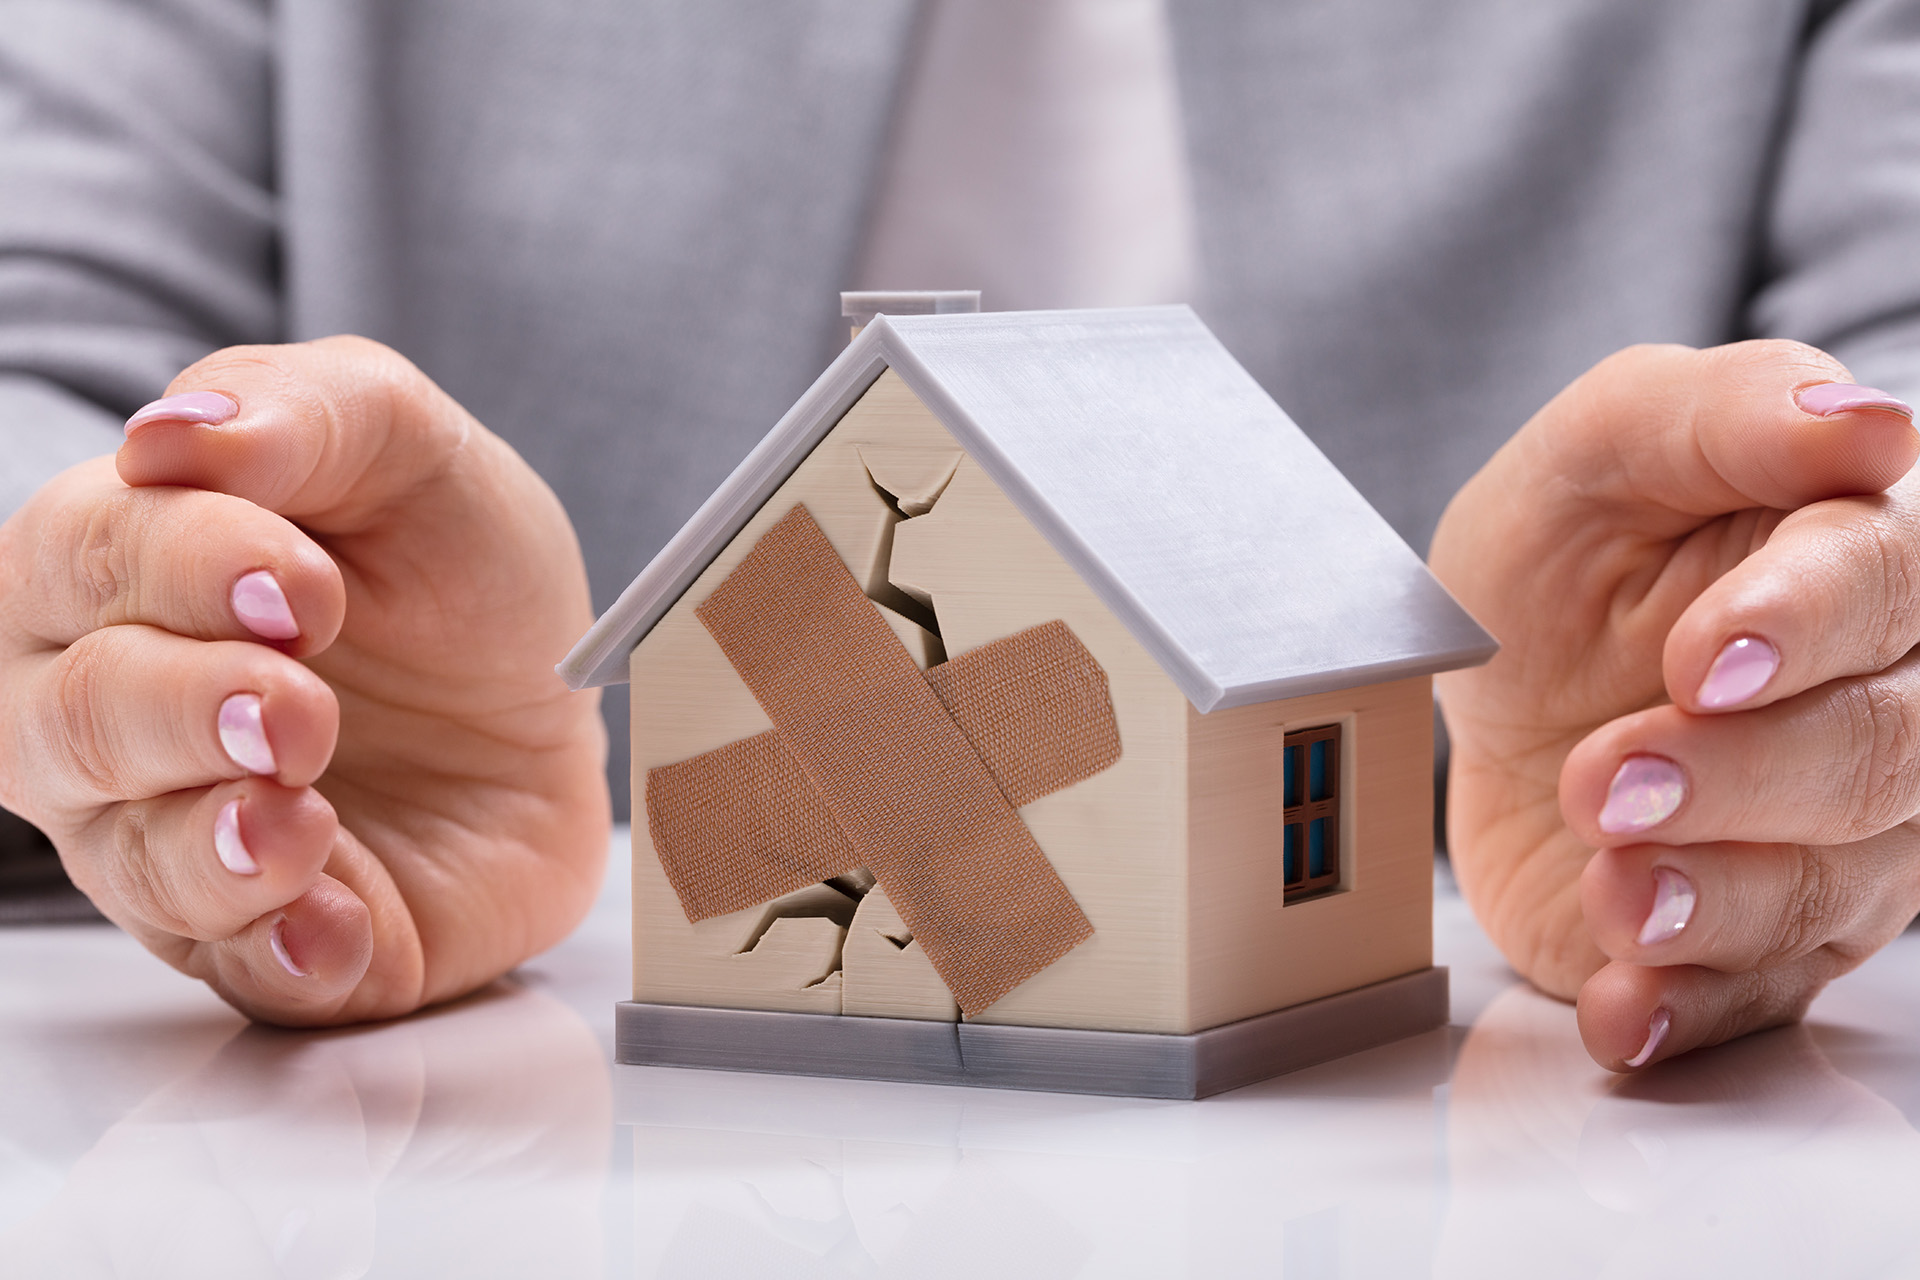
pixel 871 763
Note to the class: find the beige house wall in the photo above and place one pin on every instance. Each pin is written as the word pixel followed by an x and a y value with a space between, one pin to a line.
pixel 1250 952
pixel 1118 840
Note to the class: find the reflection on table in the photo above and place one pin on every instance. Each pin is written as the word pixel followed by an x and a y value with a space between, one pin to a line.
pixel 145 1131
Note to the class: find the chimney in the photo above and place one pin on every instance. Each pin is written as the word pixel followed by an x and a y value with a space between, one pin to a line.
pixel 862 307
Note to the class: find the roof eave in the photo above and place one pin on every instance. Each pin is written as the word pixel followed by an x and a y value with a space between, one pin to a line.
pixel 1334 680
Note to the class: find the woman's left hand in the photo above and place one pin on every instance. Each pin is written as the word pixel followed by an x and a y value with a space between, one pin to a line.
pixel 1704 568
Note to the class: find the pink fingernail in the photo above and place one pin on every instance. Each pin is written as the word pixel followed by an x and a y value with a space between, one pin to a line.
pixel 1644 793
pixel 192 406
pixel 277 941
pixel 1657 1027
pixel 1828 398
pixel 1740 670
pixel 262 607
pixel 233 851
pixel 1673 899
pixel 244 736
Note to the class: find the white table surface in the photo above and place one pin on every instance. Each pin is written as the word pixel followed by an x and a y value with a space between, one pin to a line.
pixel 146 1131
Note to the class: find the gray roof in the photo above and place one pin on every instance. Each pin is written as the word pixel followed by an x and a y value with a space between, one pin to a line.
pixel 1205 520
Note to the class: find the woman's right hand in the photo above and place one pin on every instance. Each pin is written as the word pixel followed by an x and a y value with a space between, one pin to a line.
pixel 280 687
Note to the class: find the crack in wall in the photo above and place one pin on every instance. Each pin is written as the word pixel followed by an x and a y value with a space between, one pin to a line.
pixel 852 886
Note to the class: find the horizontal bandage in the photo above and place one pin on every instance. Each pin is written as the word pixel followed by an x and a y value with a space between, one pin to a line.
pixel 1035 706
pixel 741 826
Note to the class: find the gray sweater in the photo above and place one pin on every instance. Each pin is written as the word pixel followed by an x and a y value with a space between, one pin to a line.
pixel 615 228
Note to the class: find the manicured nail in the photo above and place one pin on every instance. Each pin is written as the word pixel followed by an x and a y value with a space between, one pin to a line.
pixel 277 940
pixel 234 855
pixel 1741 670
pixel 261 606
pixel 192 406
pixel 1656 1032
pixel 1828 398
pixel 1644 793
pixel 243 736
pixel 1673 899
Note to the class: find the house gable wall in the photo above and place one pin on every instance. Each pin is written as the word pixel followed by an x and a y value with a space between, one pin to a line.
pixel 1117 839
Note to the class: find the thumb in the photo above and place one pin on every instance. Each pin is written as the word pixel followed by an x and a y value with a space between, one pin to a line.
pixel 398 483
pixel 1663 437
pixel 1594 503
pixel 333 434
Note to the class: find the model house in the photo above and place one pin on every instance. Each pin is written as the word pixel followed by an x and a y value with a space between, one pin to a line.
pixel 1034 706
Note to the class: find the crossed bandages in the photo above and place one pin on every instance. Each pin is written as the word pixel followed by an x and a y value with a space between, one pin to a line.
pixel 873 763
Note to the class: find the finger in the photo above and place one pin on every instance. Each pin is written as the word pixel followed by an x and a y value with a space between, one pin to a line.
pixel 1643 483
pixel 1829 766
pixel 406 491
pixel 131 712
pixel 297 966
pixel 335 434
pixel 196 563
pixel 1632 1017
pixel 1736 907
pixel 203 864
pixel 1671 435
pixel 1834 591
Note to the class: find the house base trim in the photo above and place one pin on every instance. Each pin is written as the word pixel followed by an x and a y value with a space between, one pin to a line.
pixel 1052 1059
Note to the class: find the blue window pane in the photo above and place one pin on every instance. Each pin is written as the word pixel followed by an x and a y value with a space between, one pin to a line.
pixel 1292 846
pixel 1317 847
pixel 1292 767
pixel 1318 773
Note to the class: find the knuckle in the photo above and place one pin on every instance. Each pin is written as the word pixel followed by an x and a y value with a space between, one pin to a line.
pixel 1784 995
pixel 131 874
pixel 1784 351
pixel 1762 999
pixel 77 714
pixel 1817 903
pixel 102 556
pixel 371 358
pixel 1880 735
pixel 1776 356
pixel 374 365
pixel 245 363
pixel 352 382
pixel 1891 617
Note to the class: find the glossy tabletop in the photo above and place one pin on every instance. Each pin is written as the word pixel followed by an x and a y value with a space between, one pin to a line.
pixel 146 1131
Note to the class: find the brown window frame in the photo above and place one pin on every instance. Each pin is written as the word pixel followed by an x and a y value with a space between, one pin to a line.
pixel 1296 819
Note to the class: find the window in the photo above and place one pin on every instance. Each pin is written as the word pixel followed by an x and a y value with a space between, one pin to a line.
pixel 1311 812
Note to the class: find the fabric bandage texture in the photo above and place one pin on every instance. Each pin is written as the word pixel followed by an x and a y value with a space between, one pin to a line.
pixel 1035 706
pixel 905 789
pixel 740 826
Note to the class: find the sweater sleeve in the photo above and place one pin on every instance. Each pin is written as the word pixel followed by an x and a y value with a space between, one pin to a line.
pixel 137 217
pixel 1840 264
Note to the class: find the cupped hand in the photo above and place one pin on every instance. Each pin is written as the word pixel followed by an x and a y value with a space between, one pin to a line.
pixel 1704 568
pixel 280 687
